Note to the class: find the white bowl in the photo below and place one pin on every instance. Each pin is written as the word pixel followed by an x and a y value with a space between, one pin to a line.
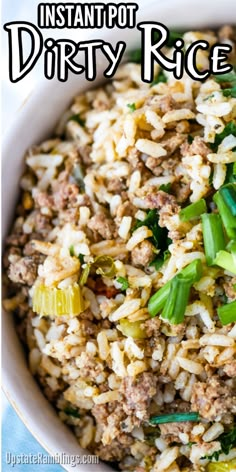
pixel 35 122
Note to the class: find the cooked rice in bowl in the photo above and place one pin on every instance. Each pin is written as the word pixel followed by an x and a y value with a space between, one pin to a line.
pixel 104 222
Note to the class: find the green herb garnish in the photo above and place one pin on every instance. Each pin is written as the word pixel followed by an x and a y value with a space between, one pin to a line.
pixel 124 283
pixel 174 418
pixel 230 128
pixel 225 199
pixel 71 251
pixel 72 254
pixel 173 36
pixel 190 139
pixel 135 56
pixel 131 106
pixel 229 92
pixel 159 235
pixel 230 173
pixel 165 187
pixel 227 442
pixel 72 412
pixel 159 260
pixel 161 77
pixel 81 258
pixel 77 118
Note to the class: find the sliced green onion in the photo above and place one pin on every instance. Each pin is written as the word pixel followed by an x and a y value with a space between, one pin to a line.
pixel 227 313
pixel 228 192
pixel 225 200
pixel 225 260
pixel 176 303
pixel 158 300
pixel 213 236
pixel 174 418
pixel 232 248
pixel 84 276
pixel 193 211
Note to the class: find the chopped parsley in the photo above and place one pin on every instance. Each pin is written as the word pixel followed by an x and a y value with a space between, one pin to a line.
pixel 81 258
pixel 124 283
pixel 210 180
pixel 161 77
pixel 190 139
pixel 71 251
pixel 227 442
pixel 72 412
pixel 131 106
pixel 230 128
pixel 72 254
pixel 159 235
pixel 77 118
pixel 135 56
pixel 230 92
pixel 229 78
pixel 165 187
pixel 160 259
pixel 173 36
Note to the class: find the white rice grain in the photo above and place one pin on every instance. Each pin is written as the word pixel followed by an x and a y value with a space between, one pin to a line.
pixel 150 148
pixel 126 309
